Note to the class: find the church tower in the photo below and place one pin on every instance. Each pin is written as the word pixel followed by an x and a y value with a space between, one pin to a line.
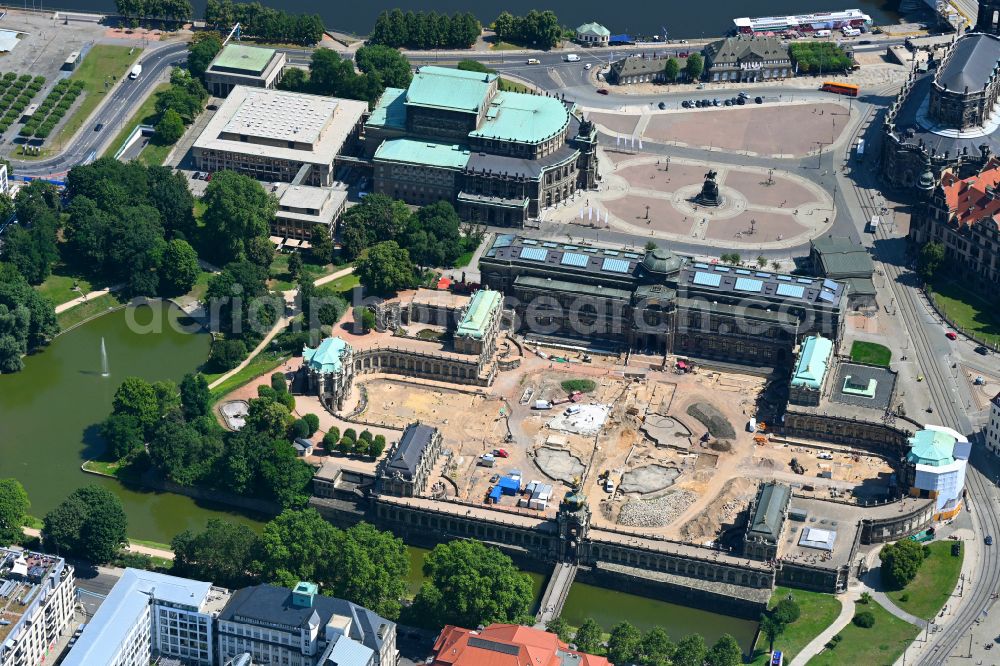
pixel 988 17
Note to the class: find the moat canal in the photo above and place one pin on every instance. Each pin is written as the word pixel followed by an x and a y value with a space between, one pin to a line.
pixel 49 414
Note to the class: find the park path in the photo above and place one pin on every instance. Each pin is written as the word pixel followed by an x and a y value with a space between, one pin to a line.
pixel 80 300
pixel 289 297
pixel 816 645
pixel 132 547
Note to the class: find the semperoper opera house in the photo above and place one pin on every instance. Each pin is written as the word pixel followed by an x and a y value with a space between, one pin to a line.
pixel 660 302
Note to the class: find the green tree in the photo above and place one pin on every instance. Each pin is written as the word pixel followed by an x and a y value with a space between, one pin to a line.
pixel 761 261
pixel 388 63
pixel 624 644
pixel 195 395
pixel 294 79
pixel 657 648
pixel 588 636
pixel 560 628
pixel 771 628
pixel 694 66
pixel 313 422
pixel 864 619
pixel 237 210
pixel 471 584
pixel 123 434
pixel 285 477
pixel 370 567
pixel 89 524
pixel 321 250
pixel 432 236
pixel 278 382
pixel 671 69
pixel 202 49
pixel 169 128
pixel 14 506
pixel 691 651
pixel 377 446
pixel 226 355
pixel 725 652
pixel 179 268
pixel 222 553
pixel 929 261
pixel 294 266
pixel 297 545
pixel 137 397
pixel 786 611
pixel 240 295
pixel 377 218
pixel 27 319
pixel 385 268
pixel 182 453
pixel 900 562
pixel 330 438
pixel 268 418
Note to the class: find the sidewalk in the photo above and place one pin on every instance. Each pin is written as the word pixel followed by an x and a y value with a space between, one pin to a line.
pixel 132 547
pixel 816 645
pixel 62 307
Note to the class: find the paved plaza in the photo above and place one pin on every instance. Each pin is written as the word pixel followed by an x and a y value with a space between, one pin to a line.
pixel 648 195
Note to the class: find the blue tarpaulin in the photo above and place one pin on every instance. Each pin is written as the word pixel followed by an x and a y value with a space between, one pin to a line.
pixel 508 486
pixel 620 39
pixel 495 494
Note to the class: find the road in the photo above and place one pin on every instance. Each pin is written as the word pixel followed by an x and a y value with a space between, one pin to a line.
pixel 125 97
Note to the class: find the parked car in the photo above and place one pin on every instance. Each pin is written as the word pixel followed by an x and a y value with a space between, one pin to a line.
pixel 951 335
pixel 686 104
pixel 195 175
pixel 982 350
pixel 501 453
pixel 662 105
pixel 716 102
pixel 758 100
pixel 728 102
pixel 741 101
pixel 743 95
pixel 602 91
pixel 988 540
pixel 609 486
pixel 534 61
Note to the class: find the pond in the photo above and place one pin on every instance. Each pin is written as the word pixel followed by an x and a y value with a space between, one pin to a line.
pixel 50 412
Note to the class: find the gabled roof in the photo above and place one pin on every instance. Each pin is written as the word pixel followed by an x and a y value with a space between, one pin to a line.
pixel 970 63
pixel 769 513
pixel 447 88
pixel 484 303
pixel 931 447
pixel 742 47
pixel 974 199
pixel 593 29
pixel 328 356
pixel 507 645
pixel 811 368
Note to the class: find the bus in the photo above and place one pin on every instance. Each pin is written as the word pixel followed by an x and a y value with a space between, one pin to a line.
pixel 848 89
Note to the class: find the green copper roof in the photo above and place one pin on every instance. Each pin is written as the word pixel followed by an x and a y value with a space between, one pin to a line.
pixel 328 356
pixel 429 153
pixel 250 59
pixel 390 110
pixel 483 303
pixel 452 89
pixel 595 28
pixel 522 117
pixel 931 447
pixel 811 368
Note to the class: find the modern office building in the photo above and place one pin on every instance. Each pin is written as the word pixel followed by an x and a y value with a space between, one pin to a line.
pixel 935 468
pixel 993 426
pixel 748 58
pixel 148 616
pixel 300 627
pixel 946 117
pixel 499 156
pixel 659 301
pixel 37 593
pixel 506 645
pixel 405 471
pixel 239 65
pixel 279 136
pixel 302 207
pixel 963 215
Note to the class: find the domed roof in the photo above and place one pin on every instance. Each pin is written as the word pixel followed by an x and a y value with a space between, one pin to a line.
pixel 661 260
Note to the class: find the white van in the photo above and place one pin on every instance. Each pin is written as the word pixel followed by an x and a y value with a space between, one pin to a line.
pixel 572 57
pixel 821 33
pixel 534 61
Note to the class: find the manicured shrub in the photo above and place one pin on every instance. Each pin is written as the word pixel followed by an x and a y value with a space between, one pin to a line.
pixel 313 422
pixel 864 619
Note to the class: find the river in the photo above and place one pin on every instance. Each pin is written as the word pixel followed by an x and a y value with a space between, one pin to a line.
pixel 681 20
pixel 49 414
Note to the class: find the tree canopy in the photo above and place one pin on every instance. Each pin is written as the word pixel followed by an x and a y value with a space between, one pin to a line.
pixel 264 23
pixel 539 29
pixel 89 524
pixel 929 261
pixel 694 66
pixel 385 268
pixel 815 57
pixel 425 30
pixel 13 510
pixel 223 553
pixel 201 51
pixel 471 584
pixel 389 64
pixel 237 211
pixel 27 319
pixel 900 562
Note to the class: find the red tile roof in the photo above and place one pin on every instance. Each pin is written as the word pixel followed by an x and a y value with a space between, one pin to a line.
pixel 504 645
pixel 967 198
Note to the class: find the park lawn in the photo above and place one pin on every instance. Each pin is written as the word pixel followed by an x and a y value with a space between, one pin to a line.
pixel 512 86
pixel 464 259
pixel 343 285
pixel 103 467
pixel 870 353
pixel 34 522
pixel 818 612
pixel 935 582
pixel 968 310
pixel 881 645
pixel 200 285
pixel 282 281
pixel 144 115
pixel 58 287
pixel 505 46
pixel 149 544
pixel 154 154
pixel 95 306
pixel 261 364
pixel 101 62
